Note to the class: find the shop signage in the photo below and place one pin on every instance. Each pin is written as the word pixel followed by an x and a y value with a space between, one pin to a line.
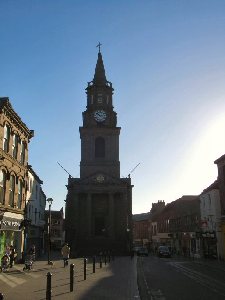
pixel 208 234
pixel 9 224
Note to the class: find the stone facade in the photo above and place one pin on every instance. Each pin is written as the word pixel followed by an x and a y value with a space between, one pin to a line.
pixel 14 140
pixel 99 203
pixel 35 208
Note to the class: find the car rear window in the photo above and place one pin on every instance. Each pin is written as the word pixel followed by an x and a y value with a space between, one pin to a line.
pixel 164 248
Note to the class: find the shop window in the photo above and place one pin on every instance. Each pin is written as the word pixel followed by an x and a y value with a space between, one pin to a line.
pixel 6 138
pixel 2 186
pixel 19 200
pixel 12 190
pixel 100 147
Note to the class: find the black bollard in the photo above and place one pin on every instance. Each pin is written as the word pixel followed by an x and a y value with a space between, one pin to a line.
pixel 85 267
pixel 49 286
pixel 93 264
pixel 71 277
pixel 105 259
pixel 109 257
pixel 1 296
pixel 100 261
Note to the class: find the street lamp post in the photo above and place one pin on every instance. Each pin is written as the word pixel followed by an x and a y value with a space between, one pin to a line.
pixel 49 200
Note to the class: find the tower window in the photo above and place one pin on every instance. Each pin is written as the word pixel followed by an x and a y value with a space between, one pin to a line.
pixel 100 147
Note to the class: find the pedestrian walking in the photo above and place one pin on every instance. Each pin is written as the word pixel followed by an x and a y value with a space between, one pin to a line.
pixel 65 254
pixel 32 252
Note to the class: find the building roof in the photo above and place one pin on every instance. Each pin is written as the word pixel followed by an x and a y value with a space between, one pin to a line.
pixel 187 204
pixel 55 213
pixel 221 158
pixel 140 217
pixel 6 105
pixel 34 174
pixel 213 186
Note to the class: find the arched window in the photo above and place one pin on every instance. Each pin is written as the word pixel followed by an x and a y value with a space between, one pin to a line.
pixel 2 186
pixel 99 147
pixel 12 190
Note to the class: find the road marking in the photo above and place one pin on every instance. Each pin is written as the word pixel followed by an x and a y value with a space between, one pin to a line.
pixel 11 280
pixel 155 294
pixel 6 280
pixel 204 280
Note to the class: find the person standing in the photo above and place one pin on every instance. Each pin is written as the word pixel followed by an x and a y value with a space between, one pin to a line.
pixel 11 256
pixel 65 254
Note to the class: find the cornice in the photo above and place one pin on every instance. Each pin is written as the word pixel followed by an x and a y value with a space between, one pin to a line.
pixel 14 118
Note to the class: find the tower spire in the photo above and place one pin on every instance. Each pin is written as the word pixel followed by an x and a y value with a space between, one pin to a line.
pixel 99 77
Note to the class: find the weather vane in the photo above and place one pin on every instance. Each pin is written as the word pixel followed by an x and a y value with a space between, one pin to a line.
pixel 99 47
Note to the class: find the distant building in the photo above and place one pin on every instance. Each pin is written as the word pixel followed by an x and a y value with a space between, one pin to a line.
pixel 57 234
pixel 35 207
pixel 176 226
pixel 210 221
pixel 141 228
pixel 14 139
pixel 220 162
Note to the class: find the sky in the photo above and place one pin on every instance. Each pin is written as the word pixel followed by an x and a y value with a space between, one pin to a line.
pixel 166 61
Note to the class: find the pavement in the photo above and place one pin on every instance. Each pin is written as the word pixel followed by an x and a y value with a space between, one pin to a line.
pixel 115 280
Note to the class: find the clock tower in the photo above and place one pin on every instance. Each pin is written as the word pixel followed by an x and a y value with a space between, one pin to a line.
pixel 99 203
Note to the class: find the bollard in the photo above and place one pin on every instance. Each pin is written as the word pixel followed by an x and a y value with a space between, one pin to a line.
pixel 100 261
pixel 85 266
pixel 105 259
pixel 1 296
pixel 49 286
pixel 109 257
pixel 93 264
pixel 71 277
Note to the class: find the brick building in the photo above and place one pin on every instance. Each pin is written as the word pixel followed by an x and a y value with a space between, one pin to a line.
pixel 14 139
pixel 141 229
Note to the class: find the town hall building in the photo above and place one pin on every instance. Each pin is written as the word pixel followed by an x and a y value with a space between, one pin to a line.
pixel 98 214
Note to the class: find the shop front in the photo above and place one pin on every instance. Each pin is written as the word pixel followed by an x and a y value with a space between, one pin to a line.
pixel 10 233
pixel 209 244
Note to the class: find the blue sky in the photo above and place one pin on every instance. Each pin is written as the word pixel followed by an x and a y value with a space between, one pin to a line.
pixel 167 65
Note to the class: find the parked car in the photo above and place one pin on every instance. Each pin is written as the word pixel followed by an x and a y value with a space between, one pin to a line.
pixel 142 251
pixel 164 251
pixel 136 249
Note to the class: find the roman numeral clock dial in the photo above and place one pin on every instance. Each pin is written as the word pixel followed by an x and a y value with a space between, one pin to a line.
pixel 100 115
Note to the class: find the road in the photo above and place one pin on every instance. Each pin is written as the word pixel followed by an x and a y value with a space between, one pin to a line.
pixel 180 279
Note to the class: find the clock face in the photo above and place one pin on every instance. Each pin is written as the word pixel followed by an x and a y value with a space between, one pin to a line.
pixel 100 115
pixel 100 178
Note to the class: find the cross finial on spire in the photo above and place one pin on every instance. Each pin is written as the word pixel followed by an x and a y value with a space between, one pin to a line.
pixel 99 47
